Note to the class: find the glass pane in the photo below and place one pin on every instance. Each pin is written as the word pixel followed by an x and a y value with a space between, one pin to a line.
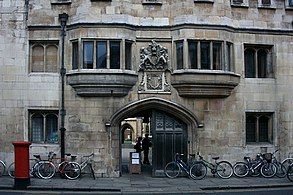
pixel 114 55
pixel 217 56
pixel 249 56
pixel 75 55
pixel 229 59
pixel 250 129
pixel 37 131
pixel 262 63
pixel 205 55
pixel 179 55
pixel 51 128
pixel 88 50
pixel 128 55
pixel 38 58
pixel 263 129
pixel 51 58
pixel 101 54
pixel 192 52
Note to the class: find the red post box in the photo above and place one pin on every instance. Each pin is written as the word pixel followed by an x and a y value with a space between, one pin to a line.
pixel 21 159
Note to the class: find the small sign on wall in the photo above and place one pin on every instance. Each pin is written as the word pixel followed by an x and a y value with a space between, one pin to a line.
pixel 134 162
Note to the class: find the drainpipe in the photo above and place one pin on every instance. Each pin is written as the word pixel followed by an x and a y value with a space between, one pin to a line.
pixel 63 19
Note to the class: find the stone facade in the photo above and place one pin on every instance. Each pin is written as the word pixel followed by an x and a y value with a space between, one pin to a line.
pixel 212 103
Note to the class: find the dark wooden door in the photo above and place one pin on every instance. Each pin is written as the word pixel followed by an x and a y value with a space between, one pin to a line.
pixel 169 137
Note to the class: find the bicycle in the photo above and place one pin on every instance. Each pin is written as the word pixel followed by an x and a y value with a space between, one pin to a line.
pixel 174 168
pixel 69 169
pixel 281 169
pixel 2 168
pixel 34 163
pixel 87 163
pixel 255 167
pixel 290 172
pixel 223 168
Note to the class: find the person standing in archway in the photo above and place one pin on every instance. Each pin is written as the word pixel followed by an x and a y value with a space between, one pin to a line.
pixel 137 146
pixel 146 144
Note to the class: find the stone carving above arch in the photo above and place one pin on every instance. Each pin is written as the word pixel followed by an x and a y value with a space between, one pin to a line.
pixel 153 65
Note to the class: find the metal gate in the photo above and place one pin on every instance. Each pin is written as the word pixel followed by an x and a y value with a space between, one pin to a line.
pixel 169 137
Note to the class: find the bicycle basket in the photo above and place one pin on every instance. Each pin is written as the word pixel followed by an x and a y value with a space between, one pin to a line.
pixel 268 157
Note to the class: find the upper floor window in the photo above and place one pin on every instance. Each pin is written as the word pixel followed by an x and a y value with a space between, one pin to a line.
pixel 291 3
pixel 259 127
pixel 43 125
pixel 206 55
pixel 44 56
pixel 258 61
pixel 102 54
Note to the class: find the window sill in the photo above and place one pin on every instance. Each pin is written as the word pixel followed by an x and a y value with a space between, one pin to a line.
pixel 204 1
pixel 102 82
pixel 272 7
pixel 240 5
pixel 152 2
pixel 60 2
pixel 204 83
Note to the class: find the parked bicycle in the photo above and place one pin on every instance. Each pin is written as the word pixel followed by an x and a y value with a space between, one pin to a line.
pixel 260 165
pixel 68 168
pixel 34 163
pixel 174 168
pixel 290 172
pixel 2 168
pixel 223 168
pixel 86 162
pixel 281 169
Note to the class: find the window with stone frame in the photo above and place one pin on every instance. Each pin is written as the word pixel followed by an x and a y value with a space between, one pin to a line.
pixel 206 55
pixel 258 61
pixel 179 54
pixel 259 127
pixel 44 56
pixel 43 126
pixel 240 3
pixel 102 54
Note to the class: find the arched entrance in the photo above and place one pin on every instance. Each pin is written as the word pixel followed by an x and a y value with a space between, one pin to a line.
pixel 171 127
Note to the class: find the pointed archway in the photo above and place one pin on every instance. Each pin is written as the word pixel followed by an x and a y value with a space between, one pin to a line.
pixel 146 107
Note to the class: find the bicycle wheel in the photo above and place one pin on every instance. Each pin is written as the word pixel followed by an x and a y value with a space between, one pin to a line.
pixel 11 170
pixel 46 170
pixel 240 169
pixel 72 170
pixel 172 170
pixel 287 162
pixel 34 170
pixel 198 170
pixel 224 169
pixel 268 170
pixel 290 172
pixel 2 168
pixel 281 170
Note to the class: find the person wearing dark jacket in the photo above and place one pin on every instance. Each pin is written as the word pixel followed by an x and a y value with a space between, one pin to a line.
pixel 146 144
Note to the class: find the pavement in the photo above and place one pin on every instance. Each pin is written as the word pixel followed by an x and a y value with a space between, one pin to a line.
pixel 145 184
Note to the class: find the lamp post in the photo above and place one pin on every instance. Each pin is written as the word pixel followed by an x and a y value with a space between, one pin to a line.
pixel 63 20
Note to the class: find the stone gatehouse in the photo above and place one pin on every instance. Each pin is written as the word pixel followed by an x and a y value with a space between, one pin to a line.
pixel 205 76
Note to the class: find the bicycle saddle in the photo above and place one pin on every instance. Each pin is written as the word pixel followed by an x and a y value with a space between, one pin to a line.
pixel 37 156
pixel 216 158
pixel 192 155
pixel 246 157
pixel 68 154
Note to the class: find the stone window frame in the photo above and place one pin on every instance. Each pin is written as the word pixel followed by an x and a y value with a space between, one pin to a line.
pixel 45 44
pixel 226 55
pixel 44 113
pixel 289 4
pixel 269 66
pixel 261 4
pixel 239 3
pixel 123 55
pixel 255 135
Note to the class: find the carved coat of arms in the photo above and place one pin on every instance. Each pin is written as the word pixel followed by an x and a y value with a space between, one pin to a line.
pixel 154 63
